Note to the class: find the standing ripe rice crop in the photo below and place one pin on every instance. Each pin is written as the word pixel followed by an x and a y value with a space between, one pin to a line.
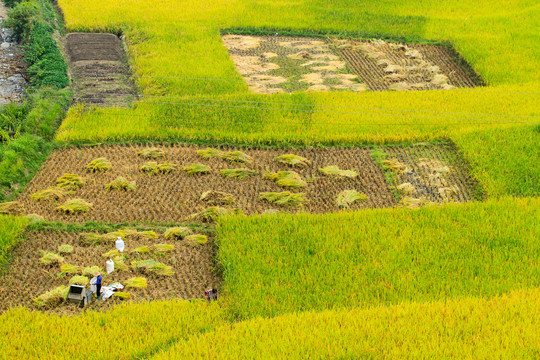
pixel 70 182
pixel 177 233
pixel 51 194
pixel 197 169
pixel 52 298
pixel 195 240
pixel 136 283
pixel 284 198
pixel 10 208
pixel 121 184
pixel 75 206
pixel 65 249
pixel 210 153
pixel 347 197
pixel 212 197
pixel 50 258
pixel 238 173
pixel 286 179
pixel 237 156
pixel 99 165
pixel 336 171
pixel 293 160
pixel 152 153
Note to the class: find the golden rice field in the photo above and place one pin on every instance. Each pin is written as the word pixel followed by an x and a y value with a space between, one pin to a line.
pixel 192 90
pixel 358 179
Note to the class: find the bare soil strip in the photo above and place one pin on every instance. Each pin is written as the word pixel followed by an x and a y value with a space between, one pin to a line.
pixel 99 69
pixel 173 197
pixel 275 64
pixel 27 278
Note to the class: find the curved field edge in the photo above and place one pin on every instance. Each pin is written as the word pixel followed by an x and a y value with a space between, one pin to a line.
pixel 11 233
pixel 275 264
pixel 505 327
pixel 126 332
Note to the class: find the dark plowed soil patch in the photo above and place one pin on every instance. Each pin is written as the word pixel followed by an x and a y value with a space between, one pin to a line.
pixel 27 278
pixel 434 173
pixel 392 66
pixel 173 197
pixel 99 69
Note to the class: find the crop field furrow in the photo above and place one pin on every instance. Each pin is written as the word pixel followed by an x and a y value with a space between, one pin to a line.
pixel 100 70
pixel 174 196
pixel 434 171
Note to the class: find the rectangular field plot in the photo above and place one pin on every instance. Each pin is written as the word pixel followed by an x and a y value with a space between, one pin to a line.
pixel 276 64
pixel 384 65
pixel 99 69
pixel 191 268
pixel 425 173
pixel 187 183
pixel 172 197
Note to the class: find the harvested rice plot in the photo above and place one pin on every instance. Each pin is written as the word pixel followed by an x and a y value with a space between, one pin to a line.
pixel 161 196
pixel 426 173
pixel 385 65
pixel 99 69
pixel 277 64
pixel 191 268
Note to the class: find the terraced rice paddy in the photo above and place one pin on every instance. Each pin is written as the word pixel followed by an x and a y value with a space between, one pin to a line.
pixel 276 64
pixel 193 268
pixel 99 69
pixel 384 65
pixel 176 195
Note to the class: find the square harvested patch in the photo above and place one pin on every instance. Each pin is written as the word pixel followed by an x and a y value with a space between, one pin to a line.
pixel 192 267
pixel 425 173
pixel 277 64
pixel 385 65
pixel 158 186
pixel 99 69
